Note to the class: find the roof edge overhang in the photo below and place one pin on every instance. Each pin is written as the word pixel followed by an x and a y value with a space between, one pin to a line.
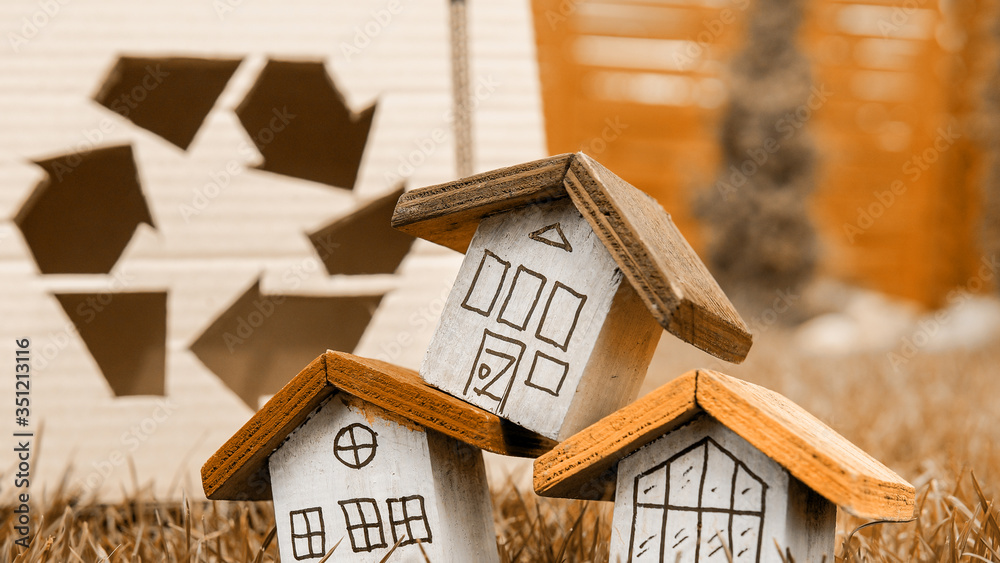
pixel 239 469
pixel 668 275
pixel 586 464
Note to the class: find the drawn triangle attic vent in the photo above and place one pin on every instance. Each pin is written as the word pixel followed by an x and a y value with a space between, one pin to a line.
pixel 552 235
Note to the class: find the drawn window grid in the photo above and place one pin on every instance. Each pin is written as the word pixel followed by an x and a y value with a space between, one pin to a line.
pixel 408 519
pixel 363 524
pixel 666 508
pixel 308 533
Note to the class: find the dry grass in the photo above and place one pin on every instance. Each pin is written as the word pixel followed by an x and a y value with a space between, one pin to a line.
pixel 936 421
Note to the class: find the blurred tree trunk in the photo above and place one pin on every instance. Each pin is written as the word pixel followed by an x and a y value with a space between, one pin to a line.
pixel 761 240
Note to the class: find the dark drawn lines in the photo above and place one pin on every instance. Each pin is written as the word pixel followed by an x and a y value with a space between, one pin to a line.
pixel 308 533
pixel 676 514
pixel 363 520
pixel 407 522
pixel 552 235
pixel 498 358
pixel 522 298
pixel 547 374
pixel 492 360
pixel 558 332
pixel 486 284
pixel 355 445
pixel 412 519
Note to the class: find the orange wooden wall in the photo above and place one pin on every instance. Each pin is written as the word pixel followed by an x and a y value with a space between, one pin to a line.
pixel 641 86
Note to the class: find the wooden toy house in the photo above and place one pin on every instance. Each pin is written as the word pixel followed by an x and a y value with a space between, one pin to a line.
pixel 569 275
pixel 711 468
pixel 363 451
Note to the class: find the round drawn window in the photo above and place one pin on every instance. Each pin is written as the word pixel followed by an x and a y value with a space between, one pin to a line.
pixel 355 446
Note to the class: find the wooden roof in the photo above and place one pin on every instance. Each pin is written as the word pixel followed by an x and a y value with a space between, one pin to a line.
pixel 677 288
pixel 238 470
pixel 586 464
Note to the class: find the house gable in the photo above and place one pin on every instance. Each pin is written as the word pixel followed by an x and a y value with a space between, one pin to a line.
pixel 701 491
pixel 356 471
pixel 586 464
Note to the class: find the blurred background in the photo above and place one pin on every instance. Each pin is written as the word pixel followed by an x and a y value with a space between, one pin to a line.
pixel 196 194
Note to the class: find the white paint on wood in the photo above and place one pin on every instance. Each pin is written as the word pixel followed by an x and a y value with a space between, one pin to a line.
pixel 375 478
pixel 528 319
pixel 701 491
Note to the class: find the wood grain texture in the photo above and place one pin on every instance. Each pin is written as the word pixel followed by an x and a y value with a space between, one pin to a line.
pixel 238 470
pixel 811 451
pixel 674 284
pixel 585 465
pixel 677 287
pixel 448 214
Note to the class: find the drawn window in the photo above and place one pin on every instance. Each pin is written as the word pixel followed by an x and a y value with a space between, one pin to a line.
pixel 562 311
pixel 697 506
pixel 408 520
pixel 308 533
pixel 364 524
pixel 525 291
pixel 494 368
pixel 547 373
pixel 355 445
pixel 486 284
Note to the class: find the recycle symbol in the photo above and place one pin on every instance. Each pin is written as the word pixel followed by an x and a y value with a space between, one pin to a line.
pixel 82 215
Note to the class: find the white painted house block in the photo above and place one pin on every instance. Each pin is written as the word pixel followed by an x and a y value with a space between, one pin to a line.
pixel 356 472
pixel 538 311
pixel 703 494
pixel 569 278
pixel 363 458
